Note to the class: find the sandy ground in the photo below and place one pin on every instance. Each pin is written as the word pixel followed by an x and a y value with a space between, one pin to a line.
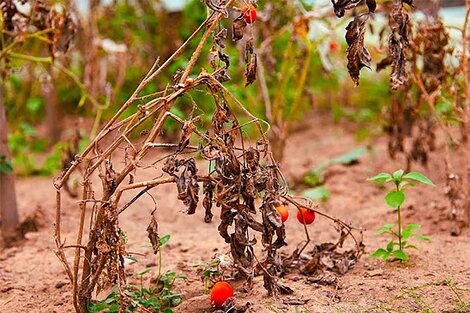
pixel 33 280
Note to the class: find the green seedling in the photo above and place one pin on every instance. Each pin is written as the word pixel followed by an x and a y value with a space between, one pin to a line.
pixel 159 296
pixel 209 272
pixel 395 199
pixel 315 177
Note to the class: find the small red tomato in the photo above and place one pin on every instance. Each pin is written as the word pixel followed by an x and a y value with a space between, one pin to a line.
pixel 309 215
pixel 334 46
pixel 220 292
pixel 249 13
pixel 283 212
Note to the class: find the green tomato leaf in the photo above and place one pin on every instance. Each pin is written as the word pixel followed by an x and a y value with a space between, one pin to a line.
pixel 405 234
pixel 350 157
pixel 401 255
pixel 398 175
pixel 390 246
pixel 380 253
pixel 413 227
pixel 423 238
pixel 411 247
pixel 417 176
pixel 385 229
pixel 395 198
pixel 406 183
pixel 380 178
pixel 164 240
pixel 319 193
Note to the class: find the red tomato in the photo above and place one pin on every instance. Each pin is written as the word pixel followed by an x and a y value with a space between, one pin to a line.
pixel 334 46
pixel 249 13
pixel 220 292
pixel 283 212
pixel 309 215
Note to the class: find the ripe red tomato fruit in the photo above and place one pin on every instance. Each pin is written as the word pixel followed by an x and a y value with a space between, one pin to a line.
pixel 309 215
pixel 283 212
pixel 220 292
pixel 249 13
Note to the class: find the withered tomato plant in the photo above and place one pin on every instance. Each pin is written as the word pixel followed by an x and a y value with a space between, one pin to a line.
pixel 238 176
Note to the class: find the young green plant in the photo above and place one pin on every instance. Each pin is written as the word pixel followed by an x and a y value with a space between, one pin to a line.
pixel 395 199
pixel 159 296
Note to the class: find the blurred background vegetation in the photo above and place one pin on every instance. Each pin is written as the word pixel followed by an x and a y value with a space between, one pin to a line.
pixel 302 68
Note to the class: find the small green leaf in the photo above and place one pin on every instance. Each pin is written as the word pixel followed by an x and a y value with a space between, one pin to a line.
pixel 350 157
pixel 315 177
pixel 380 253
pixel 142 273
pixel 406 183
pixel 380 178
pixel 411 247
pixel 390 246
pixel 34 104
pixel 423 238
pixel 319 193
pixel 417 176
pixel 401 255
pixel 6 168
pixel 164 240
pixel 395 198
pixel 398 175
pixel 385 229
pixel 413 227
pixel 405 234
pixel 130 258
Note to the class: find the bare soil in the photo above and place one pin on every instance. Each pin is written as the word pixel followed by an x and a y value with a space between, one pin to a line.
pixel 33 280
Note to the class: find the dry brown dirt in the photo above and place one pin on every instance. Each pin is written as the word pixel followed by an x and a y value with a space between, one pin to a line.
pixel 33 280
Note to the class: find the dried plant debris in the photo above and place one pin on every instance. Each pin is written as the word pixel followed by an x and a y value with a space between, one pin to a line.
pixel 58 24
pixel 430 43
pixel 326 257
pixel 398 42
pixel 152 231
pixel 238 28
pixel 230 307
pixel 340 6
pixel 412 129
pixel 216 6
pixel 398 45
pixel 358 55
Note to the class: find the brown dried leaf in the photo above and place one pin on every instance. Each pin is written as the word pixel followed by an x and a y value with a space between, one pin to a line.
pixel 398 43
pixel 152 231
pixel 238 28
pixel 186 181
pixel 340 6
pixel 250 72
pixel 358 55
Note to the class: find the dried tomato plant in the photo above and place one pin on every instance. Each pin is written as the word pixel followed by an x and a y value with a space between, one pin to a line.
pixel 48 24
pixel 439 74
pixel 444 77
pixel 357 54
pixel 244 178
